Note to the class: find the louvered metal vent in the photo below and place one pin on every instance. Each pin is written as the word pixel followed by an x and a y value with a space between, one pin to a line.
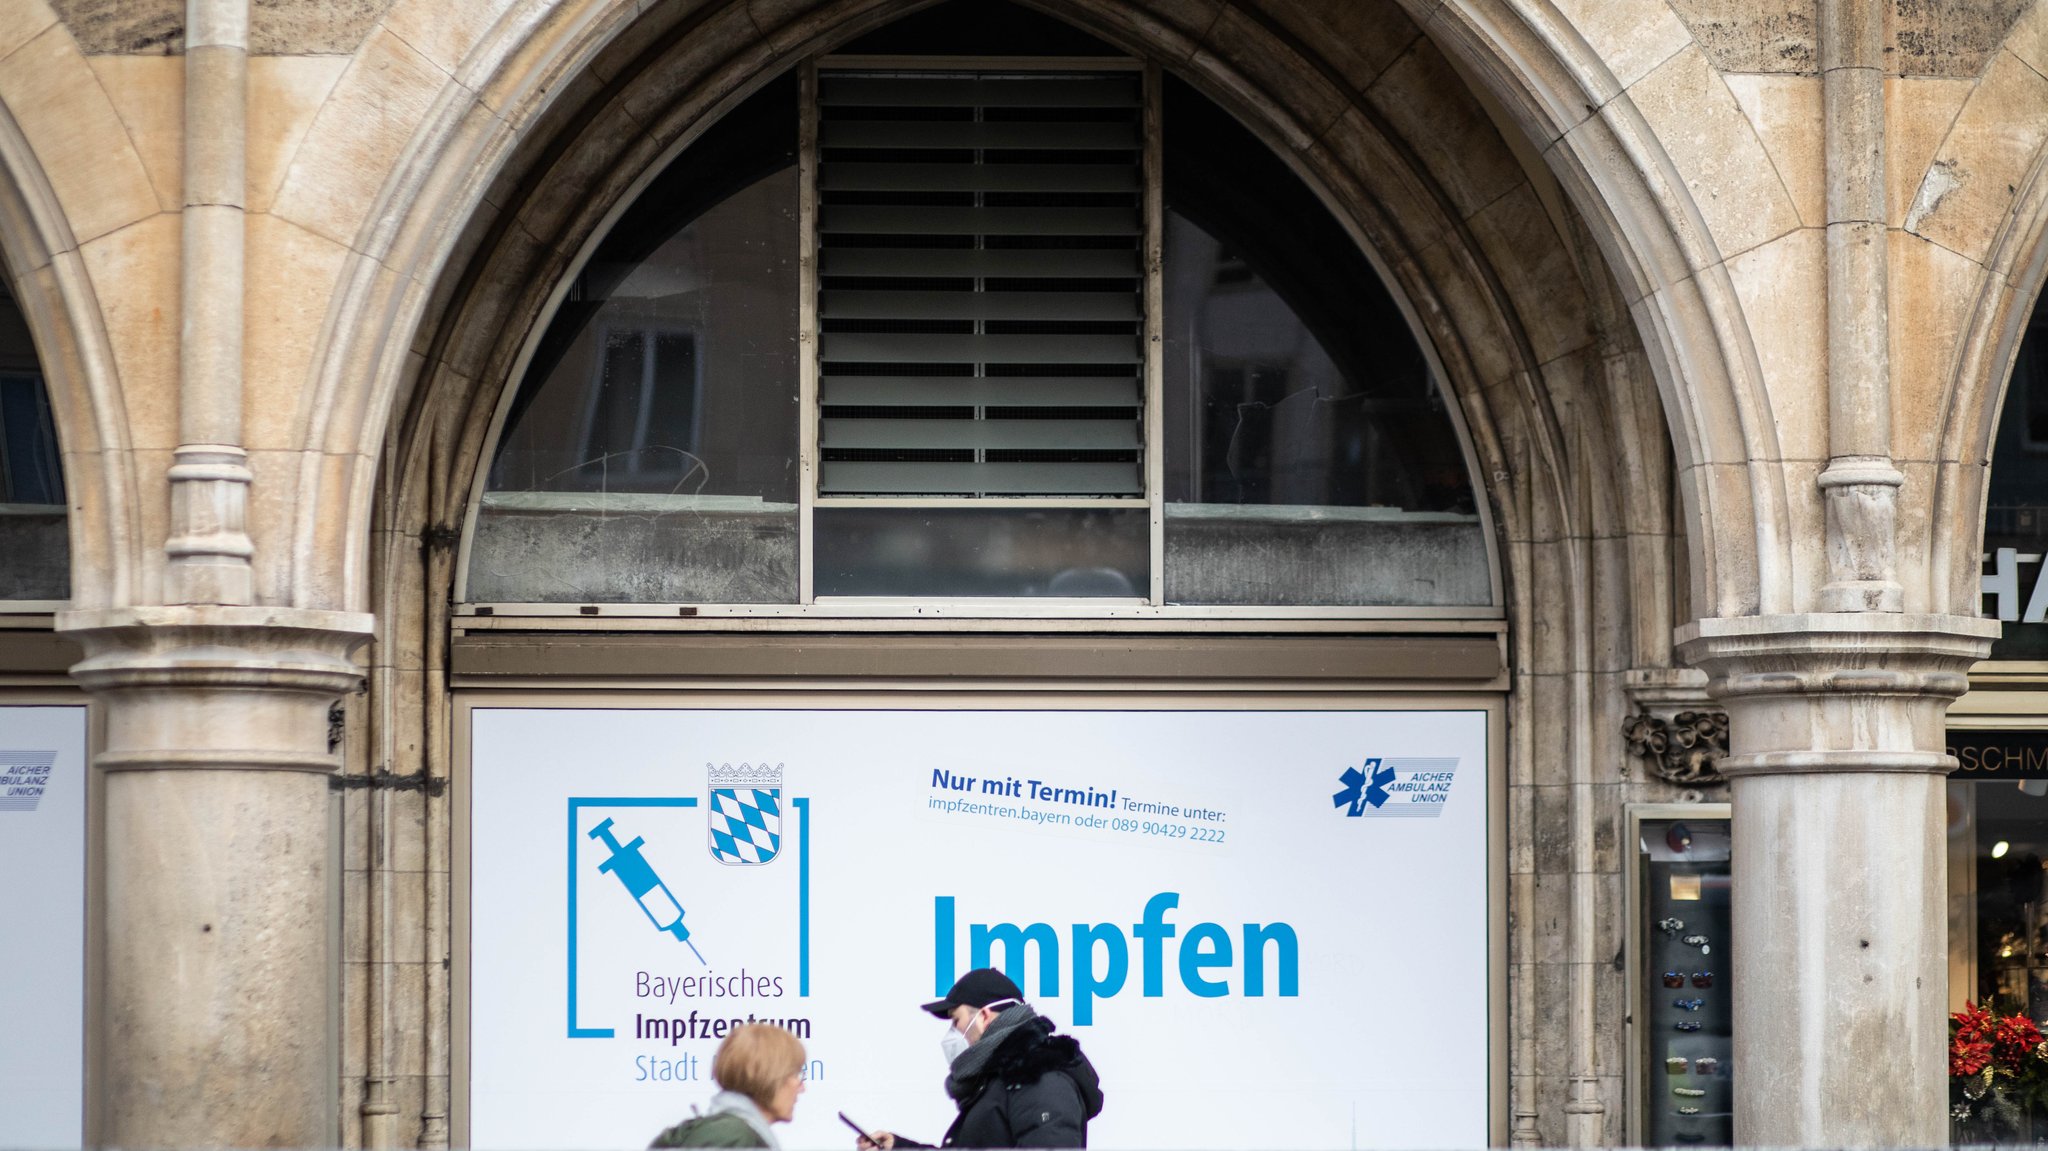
pixel 980 285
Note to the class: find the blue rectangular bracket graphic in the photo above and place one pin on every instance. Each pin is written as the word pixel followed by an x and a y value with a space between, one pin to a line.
pixel 803 894
pixel 577 804
pixel 803 906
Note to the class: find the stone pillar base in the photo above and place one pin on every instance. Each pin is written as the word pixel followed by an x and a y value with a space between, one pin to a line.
pixel 1836 766
pixel 213 1020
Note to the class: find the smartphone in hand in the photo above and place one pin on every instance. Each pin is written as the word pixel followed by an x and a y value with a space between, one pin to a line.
pixel 857 1131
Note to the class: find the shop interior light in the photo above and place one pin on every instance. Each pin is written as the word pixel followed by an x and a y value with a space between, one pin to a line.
pixel 1999 849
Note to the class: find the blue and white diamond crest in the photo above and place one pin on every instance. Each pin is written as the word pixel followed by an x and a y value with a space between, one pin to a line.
pixel 745 813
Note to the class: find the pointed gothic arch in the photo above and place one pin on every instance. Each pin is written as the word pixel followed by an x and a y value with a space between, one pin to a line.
pixel 1535 337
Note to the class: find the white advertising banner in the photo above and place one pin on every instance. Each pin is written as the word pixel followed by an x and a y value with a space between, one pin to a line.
pixel 1266 928
pixel 42 920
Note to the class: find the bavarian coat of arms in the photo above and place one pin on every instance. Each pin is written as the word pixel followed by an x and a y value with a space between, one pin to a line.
pixel 745 813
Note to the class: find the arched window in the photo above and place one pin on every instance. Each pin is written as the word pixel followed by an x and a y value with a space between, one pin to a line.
pixel 35 553
pixel 1310 458
pixel 980 389
pixel 650 455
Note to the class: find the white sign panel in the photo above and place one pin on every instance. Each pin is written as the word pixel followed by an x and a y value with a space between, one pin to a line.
pixel 42 918
pixel 1267 929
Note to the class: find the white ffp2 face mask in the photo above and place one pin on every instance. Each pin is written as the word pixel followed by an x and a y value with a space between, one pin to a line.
pixel 953 1044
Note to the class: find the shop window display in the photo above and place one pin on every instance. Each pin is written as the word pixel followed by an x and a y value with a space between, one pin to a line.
pixel 1998 935
pixel 1684 972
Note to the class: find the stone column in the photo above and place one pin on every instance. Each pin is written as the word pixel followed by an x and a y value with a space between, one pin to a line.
pixel 213 1019
pixel 1836 764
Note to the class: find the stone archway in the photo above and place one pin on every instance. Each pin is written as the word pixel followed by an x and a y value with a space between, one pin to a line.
pixel 1534 339
pixel 1664 244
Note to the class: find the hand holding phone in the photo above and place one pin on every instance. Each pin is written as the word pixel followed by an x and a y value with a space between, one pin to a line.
pixel 879 1141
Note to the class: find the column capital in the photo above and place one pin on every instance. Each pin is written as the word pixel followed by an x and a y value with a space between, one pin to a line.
pixel 1837 691
pixel 214 646
pixel 217 688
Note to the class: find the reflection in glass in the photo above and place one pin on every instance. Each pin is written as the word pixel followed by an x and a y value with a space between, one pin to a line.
pixel 1309 455
pixel 651 453
pixel 35 552
pixel 2011 929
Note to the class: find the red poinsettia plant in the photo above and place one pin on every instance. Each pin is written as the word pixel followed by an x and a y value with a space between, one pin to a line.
pixel 1998 1072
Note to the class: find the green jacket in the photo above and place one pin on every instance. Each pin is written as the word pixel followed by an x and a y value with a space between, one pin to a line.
pixel 719 1129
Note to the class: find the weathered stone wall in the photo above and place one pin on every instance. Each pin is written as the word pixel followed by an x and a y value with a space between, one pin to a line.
pixel 276 27
pixel 1539 349
pixel 1925 37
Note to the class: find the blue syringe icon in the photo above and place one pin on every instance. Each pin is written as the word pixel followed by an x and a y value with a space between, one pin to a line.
pixel 644 886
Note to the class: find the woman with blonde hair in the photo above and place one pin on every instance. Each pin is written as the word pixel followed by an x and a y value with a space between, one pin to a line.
pixel 760 1071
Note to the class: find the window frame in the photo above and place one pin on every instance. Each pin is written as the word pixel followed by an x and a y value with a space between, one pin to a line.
pixel 1004 613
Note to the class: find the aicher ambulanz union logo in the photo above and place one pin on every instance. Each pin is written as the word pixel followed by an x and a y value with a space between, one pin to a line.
pixel 1410 787
pixel 24 776
pixel 744 818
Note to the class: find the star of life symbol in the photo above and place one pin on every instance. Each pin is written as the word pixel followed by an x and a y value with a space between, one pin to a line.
pixel 1414 787
pixel 744 816
pixel 1363 787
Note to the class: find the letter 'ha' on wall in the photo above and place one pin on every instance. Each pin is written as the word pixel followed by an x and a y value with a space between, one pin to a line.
pixel 1281 913
pixel 42 918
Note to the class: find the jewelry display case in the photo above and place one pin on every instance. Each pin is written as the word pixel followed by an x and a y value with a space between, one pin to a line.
pixel 1681 969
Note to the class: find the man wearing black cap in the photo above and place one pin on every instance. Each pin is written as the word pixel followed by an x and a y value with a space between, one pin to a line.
pixel 1017 1084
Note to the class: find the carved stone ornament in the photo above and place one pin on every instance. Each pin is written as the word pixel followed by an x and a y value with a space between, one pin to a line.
pixel 1683 749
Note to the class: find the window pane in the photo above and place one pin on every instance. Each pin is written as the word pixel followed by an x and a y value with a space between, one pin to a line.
pixel 35 549
pixel 2016 512
pixel 651 454
pixel 1309 456
pixel 2009 821
pixel 994 551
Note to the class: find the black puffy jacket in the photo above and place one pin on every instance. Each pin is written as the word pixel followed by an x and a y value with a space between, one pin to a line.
pixel 1037 1090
